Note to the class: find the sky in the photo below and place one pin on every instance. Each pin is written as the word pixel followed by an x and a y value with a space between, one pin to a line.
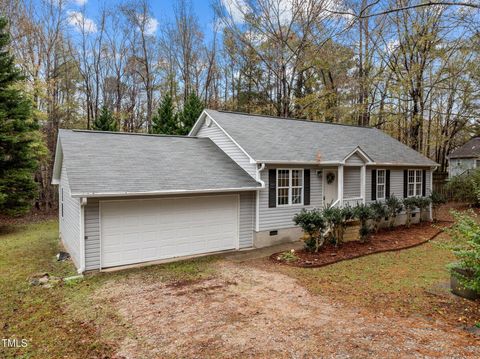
pixel 162 11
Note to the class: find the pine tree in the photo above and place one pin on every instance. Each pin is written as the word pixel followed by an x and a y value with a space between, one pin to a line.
pixel 20 140
pixel 192 109
pixel 165 121
pixel 106 121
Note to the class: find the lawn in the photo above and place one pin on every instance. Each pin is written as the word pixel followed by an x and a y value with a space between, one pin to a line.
pixel 63 321
pixel 411 282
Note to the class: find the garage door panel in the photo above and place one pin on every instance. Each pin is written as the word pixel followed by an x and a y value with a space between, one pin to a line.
pixel 144 230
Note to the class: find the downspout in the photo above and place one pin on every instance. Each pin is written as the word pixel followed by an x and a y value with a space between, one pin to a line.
pixel 257 197
pixel 83 203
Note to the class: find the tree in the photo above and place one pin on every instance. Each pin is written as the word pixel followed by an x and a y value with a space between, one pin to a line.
pixel 19 136
pixel 166 120
pixel 192 109
pixel 106 121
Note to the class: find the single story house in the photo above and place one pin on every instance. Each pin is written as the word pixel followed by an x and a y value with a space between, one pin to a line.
pixel 235 182
pixel 464 158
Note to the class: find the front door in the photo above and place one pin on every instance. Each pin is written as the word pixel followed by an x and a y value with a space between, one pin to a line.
pixel 330 185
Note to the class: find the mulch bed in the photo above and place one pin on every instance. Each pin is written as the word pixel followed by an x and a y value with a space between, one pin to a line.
pixel 384 241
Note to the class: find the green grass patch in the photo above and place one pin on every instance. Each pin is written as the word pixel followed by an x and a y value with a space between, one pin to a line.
pixel 66 320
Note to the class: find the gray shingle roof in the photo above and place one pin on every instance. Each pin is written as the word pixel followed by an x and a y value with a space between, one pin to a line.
pixel 470 149
pixel 103 163
pixel 273 139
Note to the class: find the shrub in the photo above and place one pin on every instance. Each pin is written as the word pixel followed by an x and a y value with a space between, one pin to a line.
pixel 379 212
pixel 466 188
pixel 394 207
pixel 437 199
pixel 363 213
pixel 313 224
pixel 465 245
pixel 410 203
pixel 288 256
pixel 337 221
pixel 423 203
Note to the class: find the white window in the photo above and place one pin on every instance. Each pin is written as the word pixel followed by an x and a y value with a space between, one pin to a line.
pixel 381 184
pixel 289 187
pixel 414 183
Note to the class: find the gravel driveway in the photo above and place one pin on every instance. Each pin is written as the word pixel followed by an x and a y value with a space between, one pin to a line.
pixel 249 312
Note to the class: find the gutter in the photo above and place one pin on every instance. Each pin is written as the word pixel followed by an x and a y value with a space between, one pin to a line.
pixel 257 197
pixel 154 193
pixel 325 163
pixel 83 203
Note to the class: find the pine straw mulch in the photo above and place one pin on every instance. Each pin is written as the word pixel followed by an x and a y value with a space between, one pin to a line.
pixel 384 241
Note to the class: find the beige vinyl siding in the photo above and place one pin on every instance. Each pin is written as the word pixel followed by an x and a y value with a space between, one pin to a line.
pixel 354 159
pixel 396 182
pixel 247 219
pixel 92 235
pixel 282 217
pixel 70 221
pixel 351 180
pixel 92 225
pixel 228 146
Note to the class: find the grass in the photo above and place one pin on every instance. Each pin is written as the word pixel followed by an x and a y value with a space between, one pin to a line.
pixel 408 282
pixel 63 321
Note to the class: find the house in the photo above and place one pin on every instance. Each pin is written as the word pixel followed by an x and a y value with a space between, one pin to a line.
pixel 464 158
pixel 235 182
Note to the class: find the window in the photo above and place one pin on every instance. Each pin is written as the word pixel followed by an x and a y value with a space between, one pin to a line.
pixel 380 184
pixel 289 187
pixel 414 183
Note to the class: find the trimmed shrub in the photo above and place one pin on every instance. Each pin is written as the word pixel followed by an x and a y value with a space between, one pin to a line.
pixel 379 212
pixel 410 203
pixel 313 225
pixel 394 207
pixel 466 188
pixel 363 213
pixel 423 203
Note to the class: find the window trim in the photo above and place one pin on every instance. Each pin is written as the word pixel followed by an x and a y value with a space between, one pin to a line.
pixel 415 183
pixel 290 187
pixel 384 184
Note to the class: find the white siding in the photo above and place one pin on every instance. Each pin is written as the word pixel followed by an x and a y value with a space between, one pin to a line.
pixel 355 159
pixel 396 182
pixel 282 217
pixel 92 227
pixel 69 218
pixel 351 182
pixel 247 219
pixel 457 166
pixel 227 146
pixel 92 235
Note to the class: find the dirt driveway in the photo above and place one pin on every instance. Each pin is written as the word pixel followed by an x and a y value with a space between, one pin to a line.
pixel 249 312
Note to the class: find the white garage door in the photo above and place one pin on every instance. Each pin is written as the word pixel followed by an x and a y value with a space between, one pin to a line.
pixel 137 231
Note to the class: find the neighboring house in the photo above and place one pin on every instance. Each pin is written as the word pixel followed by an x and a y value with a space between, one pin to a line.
pixel 235 182
pixel 464 158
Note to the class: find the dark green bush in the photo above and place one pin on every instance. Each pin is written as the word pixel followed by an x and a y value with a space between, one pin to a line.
pixel 466 188
pixel 394 207
pixel 379 212
pixel 313 225
pixel 465 245
pixel 410 203
pixel 437 200
pixel 363 212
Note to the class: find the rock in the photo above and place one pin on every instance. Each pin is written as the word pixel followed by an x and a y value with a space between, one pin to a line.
pixel 62 256
pixel 43 280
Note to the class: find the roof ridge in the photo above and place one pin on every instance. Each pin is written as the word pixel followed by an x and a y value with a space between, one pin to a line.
pixel 131 133
pixel 292 119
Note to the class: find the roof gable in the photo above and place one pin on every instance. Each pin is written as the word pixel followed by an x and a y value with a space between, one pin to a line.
pixel 471 149
pixel 110 164
pixel 279 140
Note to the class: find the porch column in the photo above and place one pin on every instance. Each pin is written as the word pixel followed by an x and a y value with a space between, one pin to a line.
pixel 363 182
pixel 340 185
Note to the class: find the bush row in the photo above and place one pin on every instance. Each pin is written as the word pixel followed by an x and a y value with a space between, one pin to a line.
pixel 329 223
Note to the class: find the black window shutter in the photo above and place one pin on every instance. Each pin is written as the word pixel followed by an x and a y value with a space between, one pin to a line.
pixel 387 184
pixel 272 188
pixel 405 183
pixel 374 185
pixel 306 189
pixel 424 183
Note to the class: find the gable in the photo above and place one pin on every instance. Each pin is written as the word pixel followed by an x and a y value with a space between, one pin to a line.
pixel 355 159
